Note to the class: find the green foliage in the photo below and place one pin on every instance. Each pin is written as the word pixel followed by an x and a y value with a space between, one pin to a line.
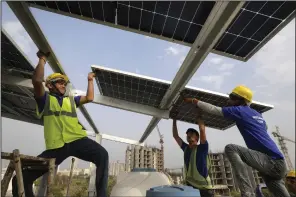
pixel 78 187
pixel 235 194
pixel 111 183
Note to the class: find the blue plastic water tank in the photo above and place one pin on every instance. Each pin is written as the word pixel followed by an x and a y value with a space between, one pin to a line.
pixel 172 191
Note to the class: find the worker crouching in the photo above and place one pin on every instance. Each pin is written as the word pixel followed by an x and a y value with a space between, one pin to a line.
pixel 63 134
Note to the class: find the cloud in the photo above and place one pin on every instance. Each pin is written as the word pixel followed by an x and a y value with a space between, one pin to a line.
pixel 215 60
pixel 276 61
pixel 20 36
pixel 216 80
pixel 172 51
pixel 226 66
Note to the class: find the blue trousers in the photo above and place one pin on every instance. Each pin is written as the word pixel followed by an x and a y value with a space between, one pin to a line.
pixel 85 149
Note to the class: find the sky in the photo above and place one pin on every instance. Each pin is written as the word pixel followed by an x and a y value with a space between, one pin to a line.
pixel 79 44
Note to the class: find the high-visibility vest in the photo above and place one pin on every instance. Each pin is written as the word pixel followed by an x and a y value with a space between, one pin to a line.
pixel 61 124
pixel 193 177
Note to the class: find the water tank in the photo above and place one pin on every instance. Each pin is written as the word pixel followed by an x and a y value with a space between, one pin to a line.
pixel 138 182
pixel 173 191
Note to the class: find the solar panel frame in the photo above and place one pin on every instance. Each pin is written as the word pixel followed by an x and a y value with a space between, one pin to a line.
pixel 186 113
pixel 243 47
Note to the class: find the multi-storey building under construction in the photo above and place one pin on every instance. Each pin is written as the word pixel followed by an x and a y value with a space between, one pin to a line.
pixel 143 157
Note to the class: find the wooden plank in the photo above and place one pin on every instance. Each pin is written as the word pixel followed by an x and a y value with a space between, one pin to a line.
pixel 6 179
pixel 19 174
pixel 50 178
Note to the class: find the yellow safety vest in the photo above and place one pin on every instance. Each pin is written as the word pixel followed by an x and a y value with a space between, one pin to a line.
pixel 193 177
pixel 61 124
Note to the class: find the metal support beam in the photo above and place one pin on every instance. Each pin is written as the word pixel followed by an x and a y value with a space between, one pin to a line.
pixel 92 180
pixel 26 18
pixel 220 17
pixel 126 105
pixel 116 139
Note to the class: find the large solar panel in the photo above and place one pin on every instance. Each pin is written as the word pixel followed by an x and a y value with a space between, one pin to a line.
pixel 150 91
pixel 16 102
pixel 181 21
pixel 175 20
pixel 252 25
pixel 130 87
pixel 13 60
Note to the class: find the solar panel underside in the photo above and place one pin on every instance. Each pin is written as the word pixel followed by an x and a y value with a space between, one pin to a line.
pixel 181 20
pixel 149 91
pixel 16 102
pixel 12 59
pixel 255 21
pixel 130 88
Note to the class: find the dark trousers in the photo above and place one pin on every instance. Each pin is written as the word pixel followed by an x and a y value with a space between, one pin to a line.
pixel 204 192
pixel 85 149
pixel 272 171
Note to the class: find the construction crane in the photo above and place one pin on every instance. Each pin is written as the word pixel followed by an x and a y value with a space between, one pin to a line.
pixel 161 148
pixel 282 144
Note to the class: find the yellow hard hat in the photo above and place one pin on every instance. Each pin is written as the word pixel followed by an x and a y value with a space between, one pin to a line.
pixel 56 76
pixel 292 174
pixel 243 92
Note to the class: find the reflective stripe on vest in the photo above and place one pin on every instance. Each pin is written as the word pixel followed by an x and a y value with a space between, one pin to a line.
pixel 193 177
pixel 61 124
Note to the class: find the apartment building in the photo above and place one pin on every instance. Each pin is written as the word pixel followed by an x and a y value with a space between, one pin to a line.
pixel 115 168
pixel 143 157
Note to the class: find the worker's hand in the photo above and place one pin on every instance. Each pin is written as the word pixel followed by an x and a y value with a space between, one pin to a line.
pixel 190 100
pixel 91 76
pixel 173 115
pixel 42 55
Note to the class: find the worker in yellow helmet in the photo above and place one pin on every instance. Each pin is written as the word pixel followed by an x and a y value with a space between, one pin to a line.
pixel 262 153
pixel 63 134
pixel 291 182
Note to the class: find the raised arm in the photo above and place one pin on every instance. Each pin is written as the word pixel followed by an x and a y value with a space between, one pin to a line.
pixel 202 128
pixel 90 90
pixel 175 133
pixel 212 109
pixel 38 75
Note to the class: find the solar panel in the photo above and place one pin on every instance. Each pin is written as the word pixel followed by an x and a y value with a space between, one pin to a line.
pixel 252 25
pixel 181 21
pixel 12 58
pixel 188 113
pixel 130 87
pixel 150 91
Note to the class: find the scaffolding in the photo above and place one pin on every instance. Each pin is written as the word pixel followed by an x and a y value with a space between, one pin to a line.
pixel 20 162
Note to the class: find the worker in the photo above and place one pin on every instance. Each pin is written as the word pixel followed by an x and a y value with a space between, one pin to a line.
pixel 196 161
pixel 262 153
pixel 64 136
